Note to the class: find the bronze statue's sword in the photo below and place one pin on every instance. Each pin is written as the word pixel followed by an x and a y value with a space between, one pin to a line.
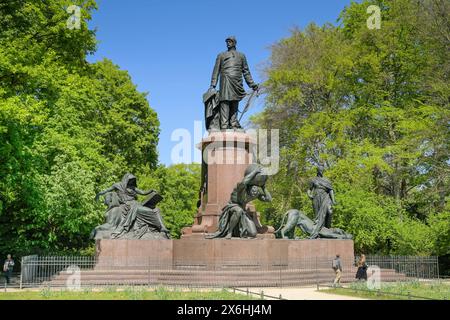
pixel 247 105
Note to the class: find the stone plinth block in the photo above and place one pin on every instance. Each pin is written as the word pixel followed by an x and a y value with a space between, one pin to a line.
pixel 134 253
pixel 225 156
pixel 222 254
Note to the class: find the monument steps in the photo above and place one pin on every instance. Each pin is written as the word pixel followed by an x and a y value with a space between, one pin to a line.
pixel 231 283
pixel 218 262
pixel 213 278
pixel 215 273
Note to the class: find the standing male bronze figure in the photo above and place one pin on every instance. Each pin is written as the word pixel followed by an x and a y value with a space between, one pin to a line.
pixel 231 66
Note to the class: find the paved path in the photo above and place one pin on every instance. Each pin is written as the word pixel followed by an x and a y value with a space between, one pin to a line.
pixel 301 293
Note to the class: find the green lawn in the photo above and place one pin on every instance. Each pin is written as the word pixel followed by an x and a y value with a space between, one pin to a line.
pixel 433 290
pixel 124 294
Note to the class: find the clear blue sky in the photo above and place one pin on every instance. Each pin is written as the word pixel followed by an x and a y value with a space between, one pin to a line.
pixel 169 46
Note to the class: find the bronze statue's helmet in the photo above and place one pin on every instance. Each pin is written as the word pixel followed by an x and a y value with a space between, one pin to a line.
pixel 232 38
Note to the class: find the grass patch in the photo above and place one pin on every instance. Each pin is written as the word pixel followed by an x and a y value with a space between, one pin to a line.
pixel 127 293
pixel 437 290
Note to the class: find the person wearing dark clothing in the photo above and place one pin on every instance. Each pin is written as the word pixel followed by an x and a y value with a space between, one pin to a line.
pixel 8 268
pixel 361 274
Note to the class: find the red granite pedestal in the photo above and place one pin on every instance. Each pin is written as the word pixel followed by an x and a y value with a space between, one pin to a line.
pixel 215 254
pixel 219 263
pixel 225 156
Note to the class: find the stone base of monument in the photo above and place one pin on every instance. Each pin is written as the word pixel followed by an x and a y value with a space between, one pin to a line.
pixel 215 254
pixel 219 263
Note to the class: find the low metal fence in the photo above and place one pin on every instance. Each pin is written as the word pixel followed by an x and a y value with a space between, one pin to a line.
pixel 260 294
pixel 411 266
pixel 82 271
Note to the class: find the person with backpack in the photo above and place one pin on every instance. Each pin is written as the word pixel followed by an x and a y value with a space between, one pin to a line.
pixel 337 267
pixel 8 268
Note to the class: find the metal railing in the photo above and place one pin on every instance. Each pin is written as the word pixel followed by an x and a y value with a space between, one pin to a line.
pixel 411 266
pixel 260 294
pixel 64 271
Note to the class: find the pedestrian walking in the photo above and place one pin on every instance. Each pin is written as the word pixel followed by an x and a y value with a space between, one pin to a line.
pixel 337 267
pixel 361 273
pixel 8 268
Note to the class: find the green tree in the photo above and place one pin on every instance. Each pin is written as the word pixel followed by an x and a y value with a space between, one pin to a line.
pixel 67 127
pixel 179 185
pixel 372 105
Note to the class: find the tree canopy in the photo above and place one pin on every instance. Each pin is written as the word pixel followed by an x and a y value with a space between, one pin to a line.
pixel 372 105
pixel 67 127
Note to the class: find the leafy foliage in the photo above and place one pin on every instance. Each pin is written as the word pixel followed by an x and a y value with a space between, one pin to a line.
pixel 372 105
pixel 67 128
pixel 179 185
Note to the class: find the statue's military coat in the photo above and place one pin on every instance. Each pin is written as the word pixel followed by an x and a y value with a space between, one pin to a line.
pixel 231 66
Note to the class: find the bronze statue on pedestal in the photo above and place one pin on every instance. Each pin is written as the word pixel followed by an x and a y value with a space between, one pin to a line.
pixel 221 107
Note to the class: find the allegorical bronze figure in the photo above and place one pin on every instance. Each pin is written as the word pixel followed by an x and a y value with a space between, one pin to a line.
pixel 322 195
pixel 235 220
pixel 126 218
pixel 296 218
pixel 222 107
